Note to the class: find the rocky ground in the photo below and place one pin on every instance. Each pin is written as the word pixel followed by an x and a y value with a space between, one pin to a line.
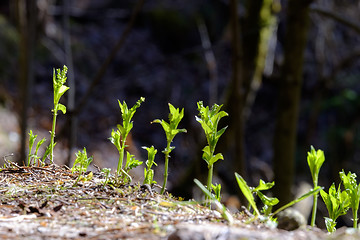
pixel 45 203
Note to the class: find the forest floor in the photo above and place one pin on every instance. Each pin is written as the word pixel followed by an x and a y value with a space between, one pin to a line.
pixel 43 203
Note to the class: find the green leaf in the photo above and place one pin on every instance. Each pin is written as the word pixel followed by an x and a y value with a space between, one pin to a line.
pixel 62 90
pixel 315 160
pixel 264 186
pixel 217 190
pixel 215 158
pixel 245 189
pixel 62 108
pixel 270 201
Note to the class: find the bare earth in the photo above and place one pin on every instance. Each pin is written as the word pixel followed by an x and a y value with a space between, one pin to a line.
pixel 43 203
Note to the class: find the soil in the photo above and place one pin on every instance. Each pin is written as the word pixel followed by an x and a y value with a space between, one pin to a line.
pixel 45 203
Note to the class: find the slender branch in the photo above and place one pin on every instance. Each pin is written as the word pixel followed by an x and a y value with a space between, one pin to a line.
pixel 337 17
pixel 210 60
pixel 101 72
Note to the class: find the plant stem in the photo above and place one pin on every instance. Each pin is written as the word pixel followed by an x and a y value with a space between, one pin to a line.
pixel 313 215
pixel 121 158
pixel 53 136
pixel 167 153
pixel 355 218
pixel 209 182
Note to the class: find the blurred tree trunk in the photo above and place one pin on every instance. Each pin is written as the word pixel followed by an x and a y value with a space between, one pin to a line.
pixel 26 12
pixel 249 53
pixel 289 97
pixel 71 81
pixel 234 135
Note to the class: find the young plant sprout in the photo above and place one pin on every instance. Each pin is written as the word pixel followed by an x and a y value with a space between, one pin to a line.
pixel 337 203
pixel 353 191
pixel 217 190
pixel 267 201
pixel 246 190
pixel 32 139
pixel 209 120
pixel 148 172
pixel 81 164
pixel 59 80
pixel 220 207
pixel 106 171
pixel 130 163
pixel 315 160
pixel 171 130
pixel 46 154
pixel 118 137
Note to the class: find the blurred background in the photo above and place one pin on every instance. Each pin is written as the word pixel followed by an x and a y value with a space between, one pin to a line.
pixel 286 71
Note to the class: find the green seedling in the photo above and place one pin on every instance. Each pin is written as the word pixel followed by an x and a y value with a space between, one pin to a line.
pixel 131 163
pixel 148 172
pixel 248 193
pixel 35 157
pixel 217 190
pixel 118 137
pixel 315 160
pixel 353 191
pixel 337 203
pixel 32 139
pixel 209 120
pixel 46 154
pixel 59 80
pixel 220 207
pixel 171 130
pixel 81 164
pixel 267 201
pixel 106 171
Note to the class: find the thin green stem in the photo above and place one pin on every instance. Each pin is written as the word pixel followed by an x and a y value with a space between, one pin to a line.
pixel 121 159
pixel 167 153
pixel 209 182
pixel 165 173
pixel 313 215
pixel 355 218
pixel 53 136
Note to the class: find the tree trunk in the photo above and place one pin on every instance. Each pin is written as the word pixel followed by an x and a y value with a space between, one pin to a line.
pixel 249 53
pixel 289 98
pixel 26 16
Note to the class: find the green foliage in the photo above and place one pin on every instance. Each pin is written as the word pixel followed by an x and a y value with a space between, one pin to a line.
pixel 221 208
pixel 59 79
pixel 209 120
pixel 81 164
pixel 148 172
pixel 337 203
pixel 268 202
pixel 47 153
pixel 353 191
pixel 106 171
pixel 118 137
pixel 170 128
pixel 217 190
pixel 315 160
pixel 130 163
pixel 35 157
